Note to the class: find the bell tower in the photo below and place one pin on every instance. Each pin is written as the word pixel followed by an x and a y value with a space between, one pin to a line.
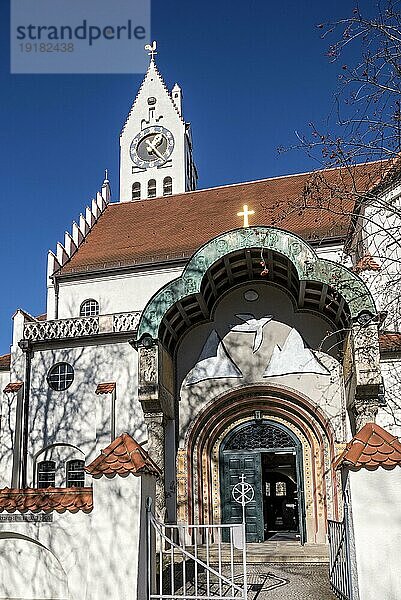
pixel 155 142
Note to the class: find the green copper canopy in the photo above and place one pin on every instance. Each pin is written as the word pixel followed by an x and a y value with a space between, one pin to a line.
pixel 305 260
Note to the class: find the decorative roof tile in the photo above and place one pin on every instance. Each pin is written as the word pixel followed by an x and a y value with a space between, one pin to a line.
pixel 13 387
pixel 46 500
pixel 106 388
pixel 122 457
pixel 366 263
pixel 315 206
pixel 390 342
pixel 371 448
pixel 5 362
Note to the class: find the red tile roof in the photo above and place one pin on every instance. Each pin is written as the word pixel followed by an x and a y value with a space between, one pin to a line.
pixel 366 263
pixel 105 388
pixel 371 448
pixel 46 500
pixel 313 205
pixel 5 362
pixel 122 457
pixel 13 387
pixel 390 342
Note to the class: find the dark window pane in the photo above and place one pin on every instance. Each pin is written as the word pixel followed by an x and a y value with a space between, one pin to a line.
pixel 46 474
pixel 75 473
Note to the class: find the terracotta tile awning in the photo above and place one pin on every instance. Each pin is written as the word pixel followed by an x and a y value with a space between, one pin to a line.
pixel 46 500
pixel 5 362
pixel 371 448
pixel 106 388
pixel 390 342
pixel 122 457
pixel 13 387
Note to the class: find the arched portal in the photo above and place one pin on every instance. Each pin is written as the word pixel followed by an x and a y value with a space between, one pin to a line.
pixel 269 455
pixel 303 428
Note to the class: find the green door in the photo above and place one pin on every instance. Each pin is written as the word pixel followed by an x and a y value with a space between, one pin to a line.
pixel 234 465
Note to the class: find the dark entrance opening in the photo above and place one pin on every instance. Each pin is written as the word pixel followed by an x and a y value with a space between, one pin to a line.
pixel 280 496
pixel 269 455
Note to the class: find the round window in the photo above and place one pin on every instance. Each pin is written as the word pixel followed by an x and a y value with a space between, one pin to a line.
pixel 60 376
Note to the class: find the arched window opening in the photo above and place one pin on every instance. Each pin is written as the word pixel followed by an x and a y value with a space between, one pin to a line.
pixel 46 474
pixel 75 473
pixel 89 308
pixel 167 186
pixel 136 191
pixel 152 188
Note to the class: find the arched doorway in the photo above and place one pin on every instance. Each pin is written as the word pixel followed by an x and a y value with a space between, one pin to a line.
pixel 270 457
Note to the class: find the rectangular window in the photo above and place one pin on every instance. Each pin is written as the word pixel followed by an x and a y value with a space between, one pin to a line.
pixel 46 474
pixel 75 473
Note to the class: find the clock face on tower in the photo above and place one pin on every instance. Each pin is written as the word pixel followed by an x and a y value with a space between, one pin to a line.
pixel 152 147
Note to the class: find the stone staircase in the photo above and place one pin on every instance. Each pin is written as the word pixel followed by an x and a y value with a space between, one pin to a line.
pixel 270 553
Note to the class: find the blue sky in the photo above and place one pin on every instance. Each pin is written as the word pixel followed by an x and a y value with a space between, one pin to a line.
pixel 253 72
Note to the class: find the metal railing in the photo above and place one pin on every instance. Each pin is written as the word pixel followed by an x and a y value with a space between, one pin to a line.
pixel 193 563
pixel 340 559
pixel 36 331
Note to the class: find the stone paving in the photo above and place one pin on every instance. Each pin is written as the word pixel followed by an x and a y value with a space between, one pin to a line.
pixel 289 582
pixel 269 581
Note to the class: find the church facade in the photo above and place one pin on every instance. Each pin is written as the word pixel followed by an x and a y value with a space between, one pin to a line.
pixel 192 337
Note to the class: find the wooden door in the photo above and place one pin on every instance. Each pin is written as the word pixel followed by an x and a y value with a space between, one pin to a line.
pixel 234 464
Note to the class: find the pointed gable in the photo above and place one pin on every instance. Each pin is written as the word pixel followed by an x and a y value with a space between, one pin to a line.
pixel 122 457
pixel 371 448
pixel 153 85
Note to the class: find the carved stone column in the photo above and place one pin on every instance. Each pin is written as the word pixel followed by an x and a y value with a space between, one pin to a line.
pixel 364 374
pixel 365 411
pixel 156 445
pixel 156 396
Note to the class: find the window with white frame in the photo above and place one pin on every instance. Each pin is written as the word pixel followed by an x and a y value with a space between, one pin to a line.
pixel 152 188
pixel 89 308
pixel 167 186
pixel 60 376
pixel 136 191
pixel 46 474
pixel 75 474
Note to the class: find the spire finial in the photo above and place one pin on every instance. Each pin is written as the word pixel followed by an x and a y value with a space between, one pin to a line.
pixel 152 50
pixel 106 176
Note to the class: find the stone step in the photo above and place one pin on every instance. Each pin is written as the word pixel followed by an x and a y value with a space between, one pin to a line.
pixel 265 553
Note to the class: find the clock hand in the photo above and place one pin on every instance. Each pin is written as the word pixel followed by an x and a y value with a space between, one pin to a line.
pixel 157 140
pixel 152 149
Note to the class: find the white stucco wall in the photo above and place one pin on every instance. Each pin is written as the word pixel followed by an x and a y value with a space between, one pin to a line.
pixel 115 293
pixel 376 511
pixel 325 390
pixel 389 417
pixel 95 556
pixel 73 416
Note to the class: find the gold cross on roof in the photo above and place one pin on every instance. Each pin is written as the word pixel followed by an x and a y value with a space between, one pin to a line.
pixel 245 213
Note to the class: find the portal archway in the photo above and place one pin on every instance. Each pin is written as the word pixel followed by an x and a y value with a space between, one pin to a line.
pixel 198 463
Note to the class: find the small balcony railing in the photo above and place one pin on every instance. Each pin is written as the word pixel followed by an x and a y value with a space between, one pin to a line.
pixel 36 331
